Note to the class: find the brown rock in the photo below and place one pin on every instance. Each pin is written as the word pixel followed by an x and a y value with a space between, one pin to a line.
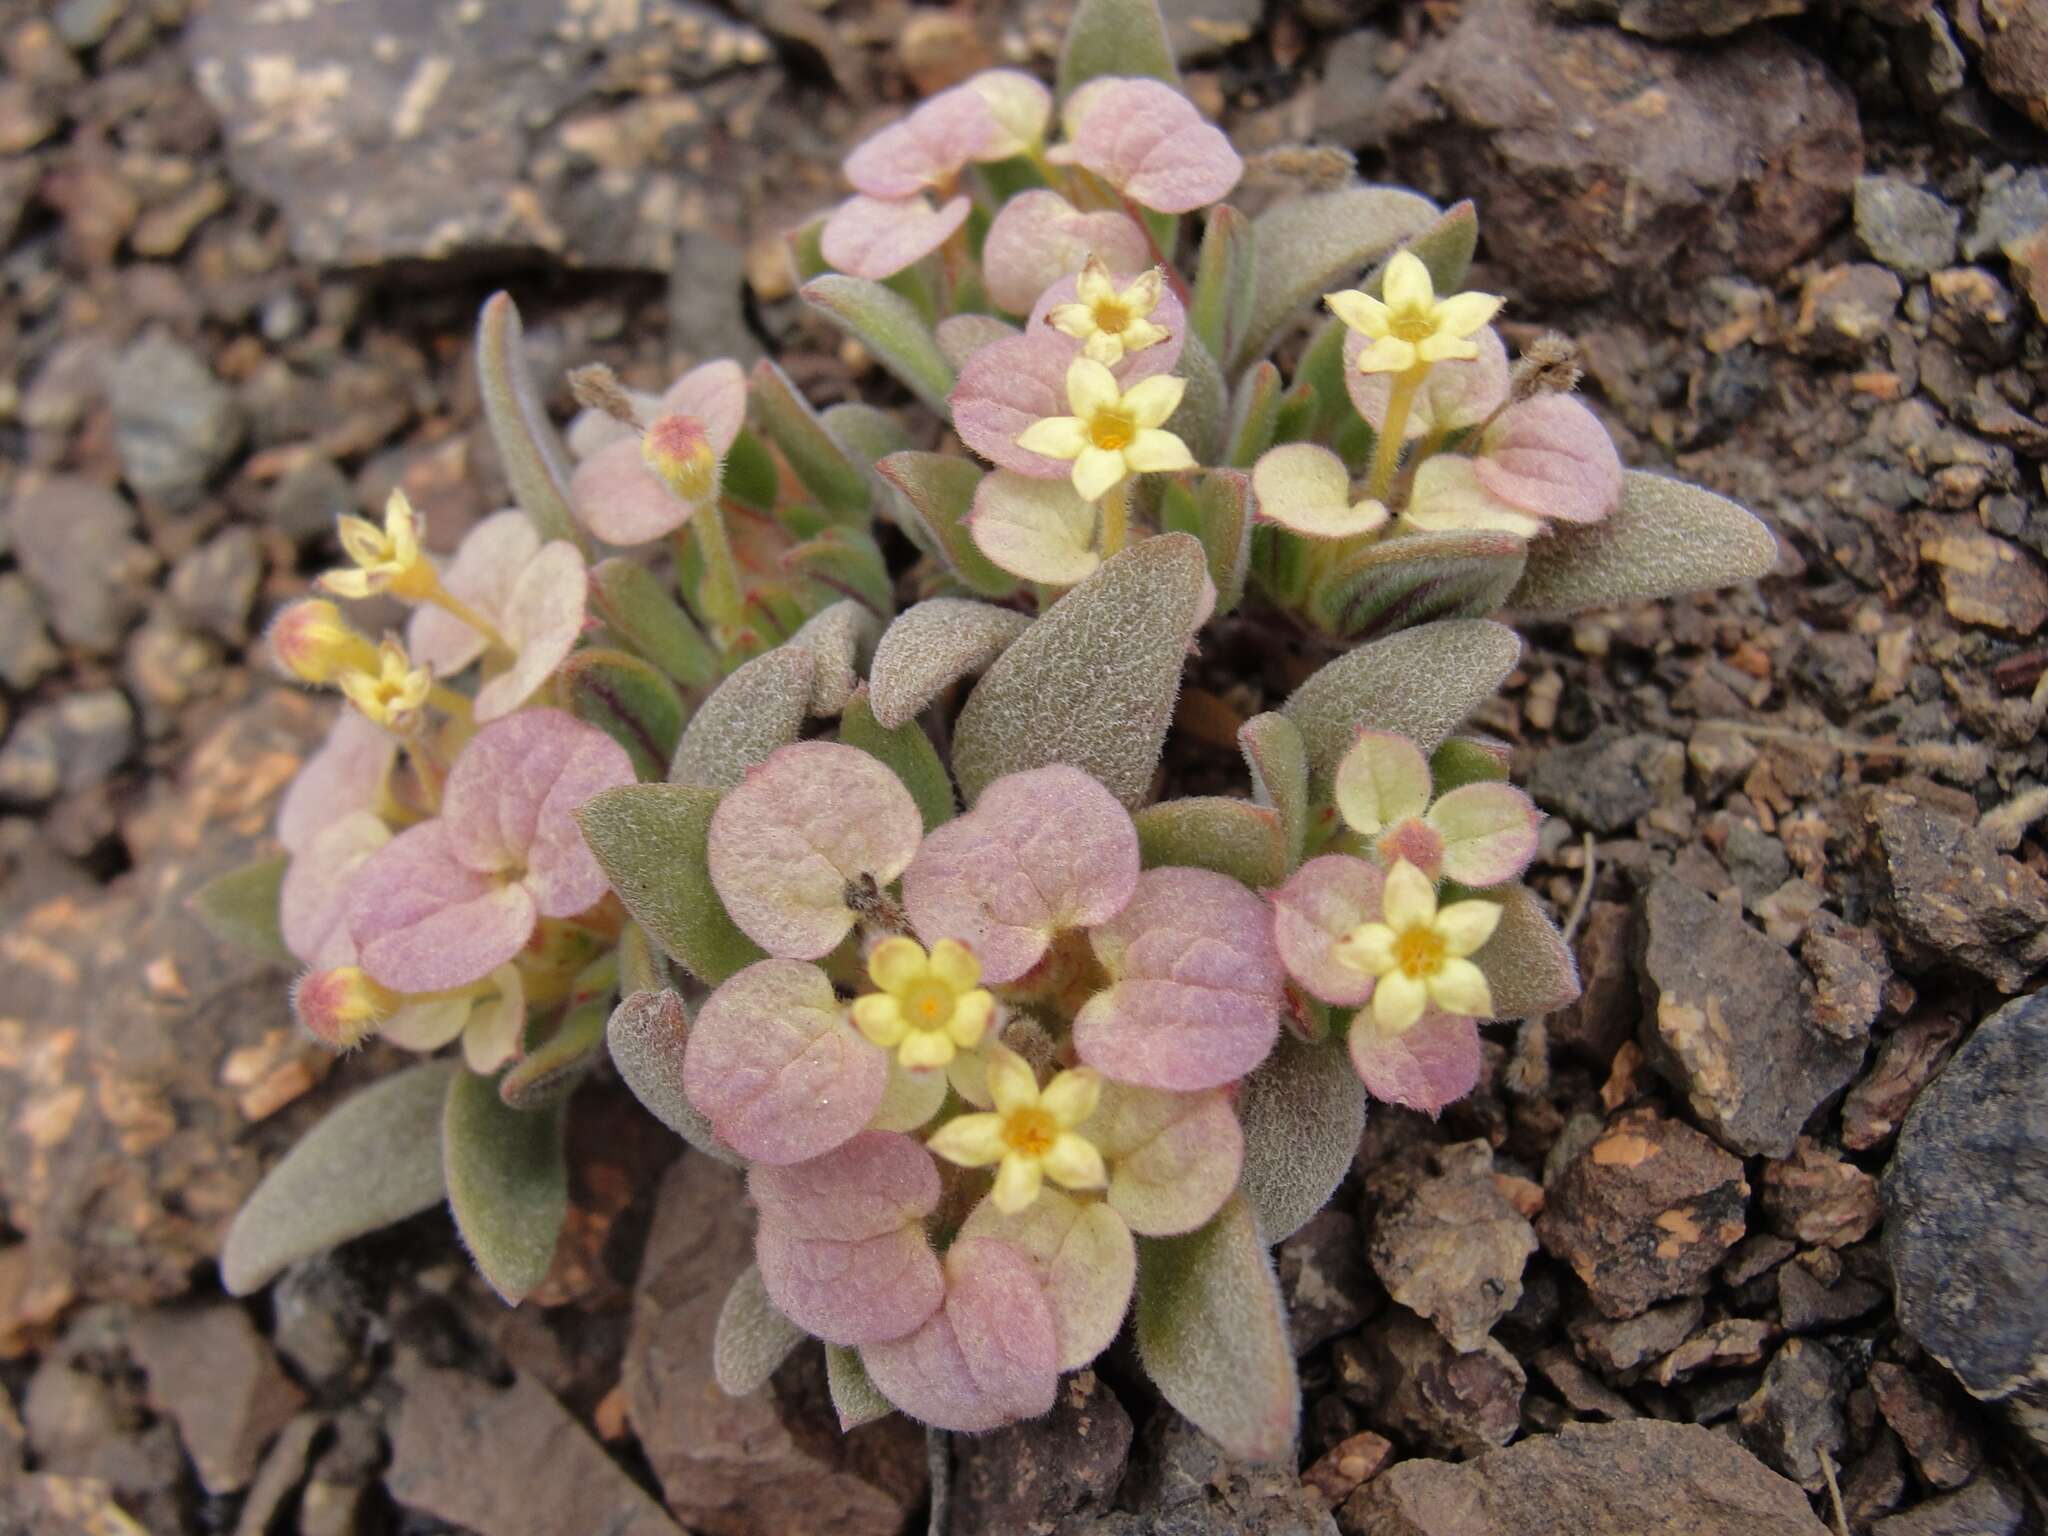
pixel 1907 1060
pixel 1611 157
pixel 1731 1342
pixel 1849 972
pixel 1923 1412
pixel 2011 38
pixel 1324 1279
pixel 1681 20
pixel 1594 1027
pixel 1806 1304
pixel 1450 1247
pixel 1797 1413
pixel 1988 1507
pixel 1985 580
pixel 1816 1197
pixel 76 542
pixel 1583 1392
pixel 1844 309
pixel 1629 1479
pixel 1180 1482
pixel 1619 1345
pixel 1645 1212
pixel 213 1373
pixel 775 1459
pixel 47 1504
pixel 508 1462
pixel 2029 256
pixel 1029 1477
pixel 1340 1471
pixel 1455 1404
pixel 1726 1021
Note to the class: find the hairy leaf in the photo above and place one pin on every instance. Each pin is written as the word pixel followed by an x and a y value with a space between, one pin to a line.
pixel 781 414
pixel 528 448
pixel 1223 522
pixel 1445 248
pixel 1424 1068
pixel 1666 537
pixel 1255 415
pixel 759 708
pixel 854 1396
pixel 1307 246
pixel 1278 759
pixel 940 493
pixel 1303 1112
pixel 841 638
pixel 931 646
pixel 547 1074
pixel 648 1034
pixel 1093 682
pixel 1173 1157
pixel 1115 37
pixel 986 1358
pixel 1232 837
pixel 1213 1335
pixel 1226 280
pixel 241 908
pixel 887 324
pixel 653 623
pixel 630 702
pixel 847 560
pixel 752 1338
pixel 508 1183
pixel 1528 966
pixel 652 841
pixel 1201 417
pixel 1417 579
pixel 961 336
pixel 907 752
pixel 375 1160
pixel 1084 1258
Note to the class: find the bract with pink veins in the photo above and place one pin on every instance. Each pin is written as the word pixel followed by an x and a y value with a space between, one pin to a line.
pixel 1149 142
pixel 1010 385
pixel 987 1357
pixel 1039 237
pixel 346 774
pixel 1433 1063
pixel 876 238
pixel 1085 1260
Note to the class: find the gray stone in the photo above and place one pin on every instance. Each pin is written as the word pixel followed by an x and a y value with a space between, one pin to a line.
pixel 1324 1279
pixel 67 746
pixel 1630 1479
pixel 85 23
pixel 76 544
pixel 1201 29
pixel 1671 21
pixel 1911 231
pixel 1181 1485
pixel 1966 1215
pixel 1725 1021
pixel 175 424
pixel 306 500
pixel 2008 213
pixel 1034 1475
pixel 1797 1413
pixel 216 584
pixel 1451 1248
pixel 1602 784
pixel 1988 1507
pixel 27 655
pixel 213 1373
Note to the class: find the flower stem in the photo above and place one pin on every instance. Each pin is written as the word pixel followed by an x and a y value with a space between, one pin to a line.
pixel 1386 455
pixel 721 594
pixel 452 704
pixel 449 603
pixel 1116 517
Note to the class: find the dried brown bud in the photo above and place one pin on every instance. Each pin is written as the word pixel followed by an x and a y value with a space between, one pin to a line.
pixel 597 388
pixel 1549 365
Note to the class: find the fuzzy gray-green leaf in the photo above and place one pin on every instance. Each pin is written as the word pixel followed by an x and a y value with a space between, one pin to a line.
pixel 1421 682
pixel 1401 582
pixel 752 1339
pixel 1115 37
pixel 508 1183
pixel 549 1073
pixel 647 1035
pixel 1528 966
pixel 1226 280
pixel 889 326
pixel 1092 682
pixel 931 646
pixel 241 908
pixel 529 449
pixel 651 840
pixel 629 700
pixel 840 638
pixel 1212 1334
pixel 1278 758
pixel 1308 246
pixel 760 707
pixel 1665 538
pixel 647 618
pixel 1199 419
pixel 1303 1111
pixel 907 752
pixel 1232 837
pixel 939 493
pixel 375 1160
pixel 781 414
pixel 855 1397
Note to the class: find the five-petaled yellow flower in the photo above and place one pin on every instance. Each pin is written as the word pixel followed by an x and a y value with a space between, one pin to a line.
pixel 930 1006
pixel 1411 326
pixel 387 559
pixel 1030 1133
pixel 393 695
pixel 1113 433
pixel 1420 952
pixel 1108 323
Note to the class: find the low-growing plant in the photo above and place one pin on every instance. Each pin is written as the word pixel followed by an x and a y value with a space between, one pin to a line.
pixel 882 907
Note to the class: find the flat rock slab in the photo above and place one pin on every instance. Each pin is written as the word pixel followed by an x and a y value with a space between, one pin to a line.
pixel 1966 1214
pixel 213 1373
pixel 1637 1479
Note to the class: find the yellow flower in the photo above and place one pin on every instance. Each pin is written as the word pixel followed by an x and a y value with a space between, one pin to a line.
pixel 387 559
pixel 679 452
pixel 393 695
pixel 1412 327
pixel 1420 952
pixel 1030 1133
pixel 1113 433
pixel 930 1006
pixel 1107 323
pixel 313 642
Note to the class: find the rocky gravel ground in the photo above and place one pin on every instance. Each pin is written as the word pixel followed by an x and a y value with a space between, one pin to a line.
pixel 1750 1241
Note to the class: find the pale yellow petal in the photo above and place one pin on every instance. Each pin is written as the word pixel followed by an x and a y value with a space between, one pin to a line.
pixel 1459 986
pixel 955 964
pixel 1057 437
pixel 1074 1163
pixel 1096 472
pixel 1153 451
pixel 1011 1081
pixel 1151 401
pixel 878 1017
pixel 1094 285
pixel 1140 334
pixel 922 1048
pixel 361 540
pixel 896 963
pixel 971 1014
pixel 1090 388
pixel 1104 347
pixel 1072 1096
pixel 1406 285
pixel 1142 297
pixel 1441 347
pixel 972 1141
pixel 1367 949
pixel 1462 314
pixel 1465 925
pixel 1075 320
pixel 1360 311
pixel 348 582
pixel 1397 1002
pixel 1409 900
pixel 1017 1184
pixel 1390 354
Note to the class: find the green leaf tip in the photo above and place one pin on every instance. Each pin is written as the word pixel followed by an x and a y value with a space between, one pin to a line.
pixel 508 1183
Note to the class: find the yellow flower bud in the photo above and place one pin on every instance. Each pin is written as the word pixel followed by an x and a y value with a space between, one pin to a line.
pixel 682 458
pixel 342 1007
pixel 315 644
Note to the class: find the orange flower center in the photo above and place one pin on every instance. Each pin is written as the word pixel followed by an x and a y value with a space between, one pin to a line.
pixel 927 1004
pixel 1030 1131
pixel 1112 315
pixel 1112 430
pixel 1419 952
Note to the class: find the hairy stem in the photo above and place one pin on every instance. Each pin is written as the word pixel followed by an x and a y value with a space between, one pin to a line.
pixel 1116 517
pixel 1386 454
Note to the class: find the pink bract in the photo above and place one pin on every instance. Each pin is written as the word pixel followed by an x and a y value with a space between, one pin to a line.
pixel 1039 237
pixel 1424 1068
pixel 925 149
pixel 448 901
pixel 1453 395
pixel 1005 388
pixel 614 492
pixel 1323 901
pixel 1196 985
pixel 1085 1261
pixel 986 1358
pixel 1041 851
pixel 1488 831
pixel 776 1066
pixel 1551 457
pixel 1173 1157
pixel 347 774
pixel 876 238
pixel 533 594
pixel 841 1243
pixel 313 904
pixel 1149 142
pixel 1147 361
pixel 786 841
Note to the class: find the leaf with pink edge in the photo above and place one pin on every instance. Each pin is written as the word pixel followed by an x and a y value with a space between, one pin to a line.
pixel 924 149
pixel 1549 455
pixel 1306 489
pixel 1039 237
pixel 841 1242
pixel 1004 389
pixel 932 645
pixel 1212 1332
pixel 241 907
pixel 1382 779
pixel 889 326
pixel 312 904
pixel 1305 246
pixel 1040 530
pixel 783 416
pixel 1489 833
pixel 1455 395
pixel 1041 851
pixel 1423 1068
pixel 776 1066
pixel 346 774
pixel 875 238
pixel 1173 1157
pixel 789 838
pixel 1149 142
pixel 1195 984
pixel 1084 1258
pixel 1529 968
pixel 528 446
pixel 986 1358
pixel 759 709
pixel 1169 314
pixel 1448 497
pixel 1232 837
pixel 1325 900
pixel 424 921
pixel 619 499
